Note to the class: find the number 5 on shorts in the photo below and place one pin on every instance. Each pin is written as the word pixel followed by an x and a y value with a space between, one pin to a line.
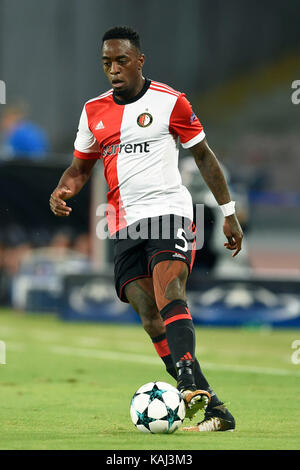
pixel 181 236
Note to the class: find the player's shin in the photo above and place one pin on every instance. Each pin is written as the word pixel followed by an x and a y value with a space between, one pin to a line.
pixel 180 336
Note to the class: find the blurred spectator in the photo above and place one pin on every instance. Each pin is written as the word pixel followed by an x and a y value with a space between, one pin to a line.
pixel 82 244
pixel 15 245
pixel 21 251
pixel 21 138
pixel 13 257
pixel 62 240
pixel 65 239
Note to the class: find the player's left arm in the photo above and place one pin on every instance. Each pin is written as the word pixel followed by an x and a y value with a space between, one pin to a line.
pixel 213 175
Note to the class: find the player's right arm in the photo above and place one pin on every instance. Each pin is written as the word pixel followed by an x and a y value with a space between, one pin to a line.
pixel 71 182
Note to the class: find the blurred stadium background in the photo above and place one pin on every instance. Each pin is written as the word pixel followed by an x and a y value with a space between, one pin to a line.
pixel 236 61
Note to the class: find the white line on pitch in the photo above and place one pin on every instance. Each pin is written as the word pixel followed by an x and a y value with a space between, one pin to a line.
pixel 143 359
pixel 43 335
pixel 7 331
pixel 251 369
pixel 15 347
pixel 99 354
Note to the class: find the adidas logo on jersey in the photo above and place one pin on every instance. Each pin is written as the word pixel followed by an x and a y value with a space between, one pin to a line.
pixel 99 126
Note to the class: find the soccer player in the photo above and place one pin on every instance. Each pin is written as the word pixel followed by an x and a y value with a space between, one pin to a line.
pixel 135 128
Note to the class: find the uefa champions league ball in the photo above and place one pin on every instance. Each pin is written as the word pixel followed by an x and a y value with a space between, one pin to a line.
pixel 157 407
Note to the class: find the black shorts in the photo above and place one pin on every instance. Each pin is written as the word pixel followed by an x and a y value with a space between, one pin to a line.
pixel 139 247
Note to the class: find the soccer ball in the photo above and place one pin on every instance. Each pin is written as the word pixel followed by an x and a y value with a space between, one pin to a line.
pixel 157 407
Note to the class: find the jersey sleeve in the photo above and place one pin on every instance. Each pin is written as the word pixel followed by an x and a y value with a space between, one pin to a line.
pixel 85 145
pixel 185 124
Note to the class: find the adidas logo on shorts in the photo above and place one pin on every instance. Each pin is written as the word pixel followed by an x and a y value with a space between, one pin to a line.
pixel 177 255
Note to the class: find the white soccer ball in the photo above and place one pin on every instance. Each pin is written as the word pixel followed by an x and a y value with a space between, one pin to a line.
pixel 157 407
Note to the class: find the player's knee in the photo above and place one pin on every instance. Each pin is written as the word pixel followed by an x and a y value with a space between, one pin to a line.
pixel 171 294
pixel 169 283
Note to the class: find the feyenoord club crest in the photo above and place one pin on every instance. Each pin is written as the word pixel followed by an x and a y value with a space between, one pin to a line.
pixel 144 120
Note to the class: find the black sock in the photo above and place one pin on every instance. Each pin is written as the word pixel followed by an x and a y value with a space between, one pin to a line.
pixel 180 336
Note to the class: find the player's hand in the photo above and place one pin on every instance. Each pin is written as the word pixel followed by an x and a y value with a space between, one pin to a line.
pixel 57 202
pixel 233 233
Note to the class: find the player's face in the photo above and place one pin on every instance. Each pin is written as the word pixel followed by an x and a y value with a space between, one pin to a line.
pixel 122 64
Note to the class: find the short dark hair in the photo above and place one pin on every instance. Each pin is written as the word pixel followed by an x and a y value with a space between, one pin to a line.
pixel 123 32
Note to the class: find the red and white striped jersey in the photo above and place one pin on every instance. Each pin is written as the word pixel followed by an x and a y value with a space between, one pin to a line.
pixel 138 141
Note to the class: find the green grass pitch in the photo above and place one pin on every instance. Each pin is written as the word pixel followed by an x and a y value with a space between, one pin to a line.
pixel 69 386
